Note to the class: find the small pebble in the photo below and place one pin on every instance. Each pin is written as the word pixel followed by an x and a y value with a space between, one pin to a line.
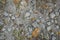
pixel 50 10
pixel 52 21
pixel 59 10
pixel 23 3
pixel 9 29
pixel 27 14
pixel 3 29
pixel 53 38
pixel 52 15
pixel 52 33
pixel 13 17
pixel 38 20
pixel 57 27
pixel 5 14
pixel 57 13
pixel 56 21
pixel 49 28
pixel 49 23
pixel 10 15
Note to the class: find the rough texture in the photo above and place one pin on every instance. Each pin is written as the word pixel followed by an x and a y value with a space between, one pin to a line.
pixel 29 19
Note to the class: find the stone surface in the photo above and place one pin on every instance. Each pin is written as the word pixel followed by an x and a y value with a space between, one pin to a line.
pixel 30 20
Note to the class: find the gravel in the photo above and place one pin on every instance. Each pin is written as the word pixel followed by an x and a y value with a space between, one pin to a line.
pixel 19 20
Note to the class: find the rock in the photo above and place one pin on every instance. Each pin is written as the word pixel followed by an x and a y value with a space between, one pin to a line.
pixel 58 20
pixel 23 3
pixel 50 10
pixel 9 29
pixel 27 14
pixel 10 15
pixel 57 13
pixel 49 23
pixel 13 17
pixel 3 29
pixel 5 14
pixel 52 15
pixel 49 28
pixel 57 27
pixel 53 38
pixel 52 21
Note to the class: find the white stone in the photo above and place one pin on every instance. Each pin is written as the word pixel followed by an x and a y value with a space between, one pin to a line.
pixel 52 15
pixel 30 29
pixel 9 29
pixel 47 18
pixel 10 14
pixel 53 38
pixel 57 27
pixel 42 20
pixel 48 28
pixel 13 17
pixel 23 3
pixel 43 26
pixel 56 21
pixel 35 24
pixel 49 23
pixel 5 13
pixel 40 17
pixel 50 9
pixel 17 29
pixel 55 5
pixel 30 10
pixel 3 29
pixel 27 14
pixel 52 33
pixel 57 13
pixel 52 21
pixel 13 28
pixel 38 20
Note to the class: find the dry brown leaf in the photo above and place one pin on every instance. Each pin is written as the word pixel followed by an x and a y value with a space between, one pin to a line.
pixel 44 6
pixel 35 33
pixel 16 1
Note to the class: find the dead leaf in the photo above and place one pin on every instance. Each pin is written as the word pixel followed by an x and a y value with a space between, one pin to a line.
pixel 16 1
pixel 35 33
